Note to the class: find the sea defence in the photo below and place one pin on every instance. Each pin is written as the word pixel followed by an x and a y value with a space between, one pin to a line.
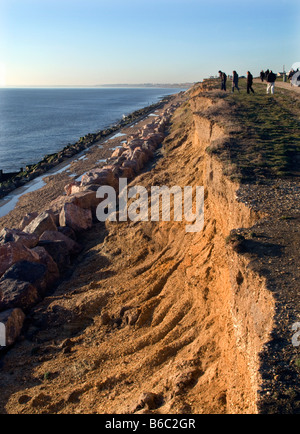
pixel 40 249
pixel 10 181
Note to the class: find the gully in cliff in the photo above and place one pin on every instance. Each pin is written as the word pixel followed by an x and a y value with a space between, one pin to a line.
pixel 185 205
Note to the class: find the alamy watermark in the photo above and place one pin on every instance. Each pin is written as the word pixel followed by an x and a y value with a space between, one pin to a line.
pixel 296 336
pixel 2 335
pixel 136 204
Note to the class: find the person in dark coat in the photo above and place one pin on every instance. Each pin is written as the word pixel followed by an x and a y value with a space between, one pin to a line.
pixel 262 76
pixel 267 73
pixel 235 81
pixel 223 77
pixel 249 82
pixel 271 82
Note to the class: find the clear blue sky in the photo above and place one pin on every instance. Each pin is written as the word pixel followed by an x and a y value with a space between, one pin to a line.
pixel 87 42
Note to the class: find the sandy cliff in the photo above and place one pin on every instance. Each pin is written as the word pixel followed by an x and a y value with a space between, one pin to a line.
pixel 155 319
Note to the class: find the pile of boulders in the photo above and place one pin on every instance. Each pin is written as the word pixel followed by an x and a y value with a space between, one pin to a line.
pixel 35 256
pixel 16 180
pixel 127 160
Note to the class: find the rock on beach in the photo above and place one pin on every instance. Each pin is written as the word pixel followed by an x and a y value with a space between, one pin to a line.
pixel 13 320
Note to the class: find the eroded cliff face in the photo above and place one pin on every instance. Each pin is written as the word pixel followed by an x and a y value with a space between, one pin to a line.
pixel 249 305
pixel 154 319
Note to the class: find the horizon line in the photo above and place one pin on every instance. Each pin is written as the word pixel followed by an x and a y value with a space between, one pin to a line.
pixel 183 84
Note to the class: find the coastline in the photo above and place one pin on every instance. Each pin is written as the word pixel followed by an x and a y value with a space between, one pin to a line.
pixel 46 180
pixel 145 312
pixel 11 181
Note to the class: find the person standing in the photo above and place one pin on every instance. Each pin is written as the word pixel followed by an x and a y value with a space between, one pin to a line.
pixel 249 82
pixel 271 83
pixel 235 81
pixel 223 77
pixel 262 76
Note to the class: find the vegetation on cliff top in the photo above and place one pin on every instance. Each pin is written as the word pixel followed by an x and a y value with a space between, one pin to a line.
pixel 263 139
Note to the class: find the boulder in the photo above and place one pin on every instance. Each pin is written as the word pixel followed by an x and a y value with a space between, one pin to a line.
pixel 11 253
pixel 52 270
pixel 76 188
pixel 127 154
pixel 27 220
pixel 54 214
pixel 156 139
pixel 13 320
pixel 25 271
pixel 76 218
pixel 73 187
pixel 59 253
pixel 148 131
pixel 43 222
pixel 16 235
pixel 57 204
pixel 136 143
pixel 128 169
pixel 117 153
pixel 148 148
pixel 140 158
pixel 68 232
pixel 86 199
pixel 104 176
pixel 17 294
pixel 73 247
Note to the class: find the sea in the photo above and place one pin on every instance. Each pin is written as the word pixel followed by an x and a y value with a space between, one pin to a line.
pixel 36 122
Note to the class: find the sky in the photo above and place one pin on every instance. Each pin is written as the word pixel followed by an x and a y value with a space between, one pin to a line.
pixel 94 42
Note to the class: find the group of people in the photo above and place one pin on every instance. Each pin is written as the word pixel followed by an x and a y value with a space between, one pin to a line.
pixel 292 73
pixel 269 76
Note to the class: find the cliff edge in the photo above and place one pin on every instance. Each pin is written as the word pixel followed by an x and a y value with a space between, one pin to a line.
pixel 153 319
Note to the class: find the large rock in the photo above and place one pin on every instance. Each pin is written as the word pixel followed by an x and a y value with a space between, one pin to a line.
pixel 52 272
pixel 68 232
pixel 104 176
pixel 25 271
pixel 11 253
pixel 15 293
pixel 148 131
pixel 59 252
pixel 27 220
pixel 44 222
pixel 140 157
pixel 73 187
pixel 86 199
pixel 54 214
pixel 156 139
pixel 73 247
pixel 148 148
pixel 128 169
pixel 13 320
pixel 76 218
pixel 118 152
pixel 57 204
pixel 133 144
pixel 16 235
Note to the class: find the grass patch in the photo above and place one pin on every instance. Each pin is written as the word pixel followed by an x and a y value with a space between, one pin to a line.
pixel 264 132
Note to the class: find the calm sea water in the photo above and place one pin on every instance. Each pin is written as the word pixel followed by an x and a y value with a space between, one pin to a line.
pixel 36 122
